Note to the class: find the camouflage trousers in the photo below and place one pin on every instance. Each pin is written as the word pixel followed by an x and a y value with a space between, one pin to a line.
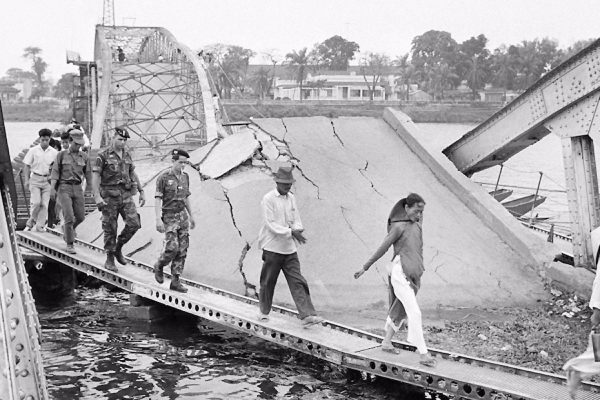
pixel 115 206
pixel 176 241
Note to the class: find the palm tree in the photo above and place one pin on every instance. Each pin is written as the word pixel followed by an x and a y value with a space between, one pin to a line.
pixel 440 77
pixel 297 61
pixel 475 75
pixel 408 73
pixel 261 81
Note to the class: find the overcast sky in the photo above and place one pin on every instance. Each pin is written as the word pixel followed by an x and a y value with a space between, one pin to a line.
pixel 265 25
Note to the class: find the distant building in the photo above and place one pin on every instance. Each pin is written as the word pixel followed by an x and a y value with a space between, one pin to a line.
pixel 8 92
pixel 498 96
pixel 25 89
pixel 329 87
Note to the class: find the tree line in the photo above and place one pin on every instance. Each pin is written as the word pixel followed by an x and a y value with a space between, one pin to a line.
pixel 41 86
pixel 436 63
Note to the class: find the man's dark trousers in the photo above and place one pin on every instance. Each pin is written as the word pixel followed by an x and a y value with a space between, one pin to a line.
pixel 273 263
pixel 70 198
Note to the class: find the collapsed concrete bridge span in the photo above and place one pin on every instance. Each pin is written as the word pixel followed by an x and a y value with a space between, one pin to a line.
pixel 349 172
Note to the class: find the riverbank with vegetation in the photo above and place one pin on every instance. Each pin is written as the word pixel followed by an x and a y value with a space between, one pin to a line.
pixel 420 113
pixel 36 112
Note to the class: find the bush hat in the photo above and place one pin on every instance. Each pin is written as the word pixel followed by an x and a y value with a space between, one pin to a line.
pixel 284 175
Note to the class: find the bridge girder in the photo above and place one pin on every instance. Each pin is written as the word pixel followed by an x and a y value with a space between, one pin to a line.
pixel 564 102
pixel 521 123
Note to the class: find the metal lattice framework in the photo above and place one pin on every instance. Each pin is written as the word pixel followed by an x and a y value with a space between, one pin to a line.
pixel 159 92
pixel 21 368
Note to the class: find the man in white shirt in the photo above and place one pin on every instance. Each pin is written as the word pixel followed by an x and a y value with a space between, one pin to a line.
pixel 280 232
pixel 36 172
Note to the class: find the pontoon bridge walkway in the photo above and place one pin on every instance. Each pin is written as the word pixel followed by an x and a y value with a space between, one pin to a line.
pixel 358 350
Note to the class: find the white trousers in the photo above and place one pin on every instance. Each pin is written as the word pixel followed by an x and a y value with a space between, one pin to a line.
pixel 405 293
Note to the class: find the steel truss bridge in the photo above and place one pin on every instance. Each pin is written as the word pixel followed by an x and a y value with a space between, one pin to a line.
pixel 160 91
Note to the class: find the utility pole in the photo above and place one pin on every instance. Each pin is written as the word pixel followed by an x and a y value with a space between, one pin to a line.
pixel 108 15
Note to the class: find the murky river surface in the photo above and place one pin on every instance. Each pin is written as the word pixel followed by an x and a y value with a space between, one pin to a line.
pixel 93 351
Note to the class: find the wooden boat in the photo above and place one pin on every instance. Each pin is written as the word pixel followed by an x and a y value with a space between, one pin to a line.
pixel 523 205
pixel 501 194
pixel 536 218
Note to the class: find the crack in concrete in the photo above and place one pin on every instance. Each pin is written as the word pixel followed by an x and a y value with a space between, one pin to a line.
pixel 286 130
pixel 362 172
pixel 343 209
pixel 288 152
pixel 335 133
pixel 309 180
pixel 249 288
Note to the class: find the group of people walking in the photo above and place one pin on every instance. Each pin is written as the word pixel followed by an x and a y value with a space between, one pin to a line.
pixel 61 175
pixel 115 183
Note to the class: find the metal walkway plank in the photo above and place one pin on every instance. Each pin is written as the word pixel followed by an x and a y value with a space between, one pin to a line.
pixel 345 346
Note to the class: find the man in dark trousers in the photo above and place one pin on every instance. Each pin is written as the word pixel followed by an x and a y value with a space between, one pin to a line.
pixel 68 172
pixel 114 184
pixel 174 218
pixel 279 235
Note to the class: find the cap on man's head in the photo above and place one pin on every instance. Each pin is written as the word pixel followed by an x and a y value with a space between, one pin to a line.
pixel 122 132
pixel 45 132
pixel 77 136
pixel 284 175
pixel 179 153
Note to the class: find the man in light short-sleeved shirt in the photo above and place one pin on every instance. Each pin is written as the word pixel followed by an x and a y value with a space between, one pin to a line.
pixel 36 173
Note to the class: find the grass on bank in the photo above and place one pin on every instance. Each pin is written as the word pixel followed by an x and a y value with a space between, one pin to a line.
pixel 433 113
pixel 36 112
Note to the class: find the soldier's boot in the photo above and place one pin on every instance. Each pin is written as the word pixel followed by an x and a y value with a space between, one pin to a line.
pixel 110 262
pixel 176 285
pixel 118 253
pixel 158 273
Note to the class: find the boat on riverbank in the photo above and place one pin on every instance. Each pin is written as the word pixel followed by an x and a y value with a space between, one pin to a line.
pixel 501 194
pixel 523 205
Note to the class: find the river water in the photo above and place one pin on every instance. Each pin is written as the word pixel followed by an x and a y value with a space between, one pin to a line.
pixel 91 349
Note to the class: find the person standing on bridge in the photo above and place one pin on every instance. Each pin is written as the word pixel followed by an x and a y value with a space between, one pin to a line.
pixel 114 184
pixel 174 218
pixel 279 235
pixel 584 365
pixel 36 170
pixel 68 172
pixel 405 233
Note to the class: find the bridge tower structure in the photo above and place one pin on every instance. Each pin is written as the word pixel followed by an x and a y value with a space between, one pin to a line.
pixel 564 102
pixel 155 87
pixel 108 13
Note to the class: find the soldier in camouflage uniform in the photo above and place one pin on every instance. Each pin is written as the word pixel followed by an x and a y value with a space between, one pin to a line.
pixel 173 218
pixel 114 184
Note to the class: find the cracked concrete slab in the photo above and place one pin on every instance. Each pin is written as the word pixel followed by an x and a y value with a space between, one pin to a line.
pixel 229 153
pixel 273 126
pixel 198 155
pixel 350 173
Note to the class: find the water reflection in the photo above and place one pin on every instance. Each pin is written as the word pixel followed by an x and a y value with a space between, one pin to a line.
pixel 93 351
